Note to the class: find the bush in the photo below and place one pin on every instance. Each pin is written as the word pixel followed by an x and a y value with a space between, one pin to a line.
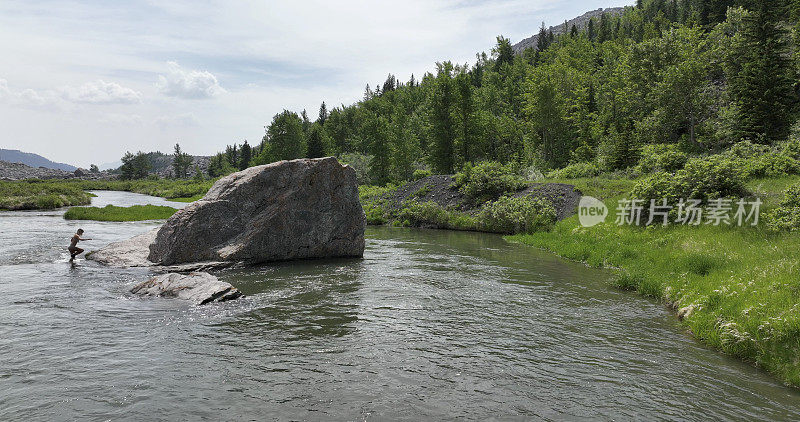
pixel 575 171
pixel 756 160
pixel 420 174
pixel 710 178
pixel 787 215
pixel 488 180
pixel 432 215
pixel 513 215
pixel 660 158
pixel 373 200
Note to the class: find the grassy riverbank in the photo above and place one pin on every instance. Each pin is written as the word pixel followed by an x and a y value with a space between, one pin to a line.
pixel 736 288
pixel 30 195
pixel 114 213
pixel 49 194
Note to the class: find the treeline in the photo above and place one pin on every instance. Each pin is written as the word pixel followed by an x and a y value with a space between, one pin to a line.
pixel 699 74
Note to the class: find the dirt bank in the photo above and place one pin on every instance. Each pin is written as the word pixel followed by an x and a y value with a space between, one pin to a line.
pixel 439 189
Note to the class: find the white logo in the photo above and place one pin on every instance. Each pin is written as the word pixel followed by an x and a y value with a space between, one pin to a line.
pixel 591 211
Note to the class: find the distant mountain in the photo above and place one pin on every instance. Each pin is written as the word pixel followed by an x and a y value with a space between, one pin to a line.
pixel 581 22
pixel 32 160
pixel 110 166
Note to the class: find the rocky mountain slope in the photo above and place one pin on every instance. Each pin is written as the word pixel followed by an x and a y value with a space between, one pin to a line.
pixel 32 160
pixel 580 22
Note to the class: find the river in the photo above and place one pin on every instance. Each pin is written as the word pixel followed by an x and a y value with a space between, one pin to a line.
pixel 429 325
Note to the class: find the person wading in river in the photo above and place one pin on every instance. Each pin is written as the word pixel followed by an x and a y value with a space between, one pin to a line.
pixel 73 248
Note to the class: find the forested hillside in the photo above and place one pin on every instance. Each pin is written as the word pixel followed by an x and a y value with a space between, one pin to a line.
pixel 700 75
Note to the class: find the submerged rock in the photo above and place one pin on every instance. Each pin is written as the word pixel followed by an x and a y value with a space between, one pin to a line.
pixel 306 208
pixel 198 287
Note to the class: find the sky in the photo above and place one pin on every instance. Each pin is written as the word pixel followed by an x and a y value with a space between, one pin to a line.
pixel 82 82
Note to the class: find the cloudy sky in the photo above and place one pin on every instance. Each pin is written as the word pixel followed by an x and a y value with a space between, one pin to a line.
pixel 82 82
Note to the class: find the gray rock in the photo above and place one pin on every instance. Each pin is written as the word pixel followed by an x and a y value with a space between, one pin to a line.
pixel 127 253
pixel 198 287
pixel 307 208
pixel 133 253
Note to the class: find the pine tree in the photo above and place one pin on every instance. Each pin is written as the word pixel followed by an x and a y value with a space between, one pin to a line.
pixel 317 142
pixel 503 53
pixel 763 88
pixel 323 114
pixel 590 29
pixel 245 155
pixel 542 39
pixel 441 119
pixel 181 162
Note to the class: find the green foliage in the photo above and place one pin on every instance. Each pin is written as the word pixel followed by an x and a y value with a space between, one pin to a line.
pixel 575 171
pixel 702 178
pixel 135 166
pixel 488 180
pixel 318 142
pixel 40 194
pixel 420 174
pixel 661 157
pixel 762 77
pixel 181 162
pixel 787 215
pixel 114 213
pixel 284 140
pixel 517 215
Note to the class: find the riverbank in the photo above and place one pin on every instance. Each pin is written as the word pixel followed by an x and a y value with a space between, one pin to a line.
pixel 49 194
pixel 735 288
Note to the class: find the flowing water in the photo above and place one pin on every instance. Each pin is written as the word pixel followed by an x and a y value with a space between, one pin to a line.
pixel 429 325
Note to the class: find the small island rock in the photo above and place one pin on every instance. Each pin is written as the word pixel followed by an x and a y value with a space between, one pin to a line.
pixel 197 287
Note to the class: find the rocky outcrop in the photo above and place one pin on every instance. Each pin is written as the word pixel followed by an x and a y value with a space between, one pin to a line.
pixel 197 287
pixel 17 171
pixel 581 22
pixel 127 253
pixel 307 208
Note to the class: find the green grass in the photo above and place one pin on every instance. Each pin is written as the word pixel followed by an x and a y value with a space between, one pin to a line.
pixel 48 194
pixel 38 194
pixel 115 213
pixel 739 285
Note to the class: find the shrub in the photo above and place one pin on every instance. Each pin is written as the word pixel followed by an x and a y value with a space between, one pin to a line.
pixel 513 215
pixel 488 180
pixel 431 214
pixel 660 157
pixel 756 160
pixel 575 171
pixel 787 215
pixel 420 174
pixel 710 178
pixel 714 177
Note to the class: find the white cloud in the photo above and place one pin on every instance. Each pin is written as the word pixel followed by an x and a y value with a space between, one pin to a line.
pixel 97 92
pixel 122 119
pixel 180 120
pixel 192 84
pixel 101 92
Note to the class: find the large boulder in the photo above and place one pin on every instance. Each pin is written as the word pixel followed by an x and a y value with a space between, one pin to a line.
pixel 306 208
pixel 198 287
